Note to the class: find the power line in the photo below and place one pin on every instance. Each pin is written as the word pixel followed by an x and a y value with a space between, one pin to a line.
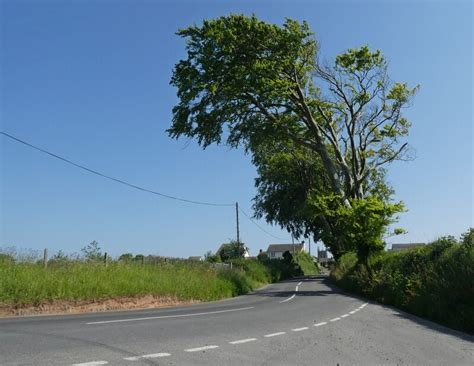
pixel 257 225
pixel 112 178
pixel 92 171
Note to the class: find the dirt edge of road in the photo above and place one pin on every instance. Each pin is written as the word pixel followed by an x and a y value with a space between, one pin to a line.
pixel 77 307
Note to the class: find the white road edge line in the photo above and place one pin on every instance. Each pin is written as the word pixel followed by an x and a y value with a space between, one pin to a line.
pixel 153 355
pixel 92 363
pixel 299 329
pixel 274 334
pixel 212 346
pixel 291 297
pixel 335 319
pixel 240 341
pixel 345 315
pixel 169 316
pixel 319 324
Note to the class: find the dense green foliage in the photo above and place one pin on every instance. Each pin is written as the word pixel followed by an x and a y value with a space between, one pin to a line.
pixel 434 281
pixel 232 250
pixel 260 86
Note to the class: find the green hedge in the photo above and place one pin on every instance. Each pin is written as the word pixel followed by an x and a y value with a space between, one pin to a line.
pixel 435 281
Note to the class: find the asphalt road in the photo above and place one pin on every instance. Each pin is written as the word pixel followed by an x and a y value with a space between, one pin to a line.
pixel 298 322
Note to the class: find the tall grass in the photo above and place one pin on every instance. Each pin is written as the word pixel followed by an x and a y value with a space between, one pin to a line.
pixel 24 284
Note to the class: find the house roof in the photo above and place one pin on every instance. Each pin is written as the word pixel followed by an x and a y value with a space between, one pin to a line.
pixel 195 258
pixel 285 247
pixel 406 246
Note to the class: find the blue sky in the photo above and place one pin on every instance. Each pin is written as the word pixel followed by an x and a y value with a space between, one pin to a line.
pixel 89 80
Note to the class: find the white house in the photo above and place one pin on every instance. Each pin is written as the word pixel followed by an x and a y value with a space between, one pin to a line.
pixel 399 247
pixel 276 251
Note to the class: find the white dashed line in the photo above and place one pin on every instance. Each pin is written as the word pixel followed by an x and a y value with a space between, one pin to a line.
pixel 274 334
pixel 335 319
pixel 240 341
pixel 319 324
pixel 299 329
pixel 201 348
pixel 296 289
pixel 300 283
pixel 344 316
pixel 290 298
pixel 169 316
pixel 153 355
pixel 353 312
pixel 92 363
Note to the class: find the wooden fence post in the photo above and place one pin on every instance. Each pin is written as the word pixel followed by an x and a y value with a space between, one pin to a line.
pixel 45 258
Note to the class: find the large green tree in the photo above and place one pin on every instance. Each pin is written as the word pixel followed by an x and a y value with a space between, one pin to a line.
pixel 249 82
pixel 292 191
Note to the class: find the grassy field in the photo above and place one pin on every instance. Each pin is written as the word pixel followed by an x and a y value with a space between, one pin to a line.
pixel 435 281
pixel 29 284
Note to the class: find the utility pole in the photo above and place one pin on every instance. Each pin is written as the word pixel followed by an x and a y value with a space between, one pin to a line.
pixel 293 242
pixel 45 258
pixel 309 245
pixel 237 218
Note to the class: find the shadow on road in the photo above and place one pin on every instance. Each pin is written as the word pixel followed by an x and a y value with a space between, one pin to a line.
pixel 323 280
pixel 431 325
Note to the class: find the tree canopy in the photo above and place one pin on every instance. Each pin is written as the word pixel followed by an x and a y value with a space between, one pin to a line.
pixel 247 82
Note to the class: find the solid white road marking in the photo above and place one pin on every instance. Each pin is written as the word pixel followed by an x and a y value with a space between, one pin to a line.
pixel 240 341
pixel 274 334
pixel 335 319
pixel 201 348
pixel 92 363
pixel 153 355
pixel 299 329
pixel 319 324
pixel 169 316
pixel 344 316
pixel 291 297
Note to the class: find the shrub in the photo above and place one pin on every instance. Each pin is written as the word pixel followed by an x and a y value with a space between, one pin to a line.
pixel 434 281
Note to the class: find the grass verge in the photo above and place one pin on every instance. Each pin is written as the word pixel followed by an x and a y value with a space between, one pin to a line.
pixel 26 284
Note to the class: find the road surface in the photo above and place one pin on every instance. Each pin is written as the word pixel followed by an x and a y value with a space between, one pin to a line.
pixel 297 322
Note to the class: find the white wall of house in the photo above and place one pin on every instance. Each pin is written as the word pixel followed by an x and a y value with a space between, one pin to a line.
pixel 275 255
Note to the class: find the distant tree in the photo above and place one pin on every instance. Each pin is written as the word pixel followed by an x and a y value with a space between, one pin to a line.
pixel 60 257
pixel 262 256
pixel 212 258
pixel 467 238
pixel 232 250
pixel 126 257
pixel 287 257
pixel 139 258
pixel 93 252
